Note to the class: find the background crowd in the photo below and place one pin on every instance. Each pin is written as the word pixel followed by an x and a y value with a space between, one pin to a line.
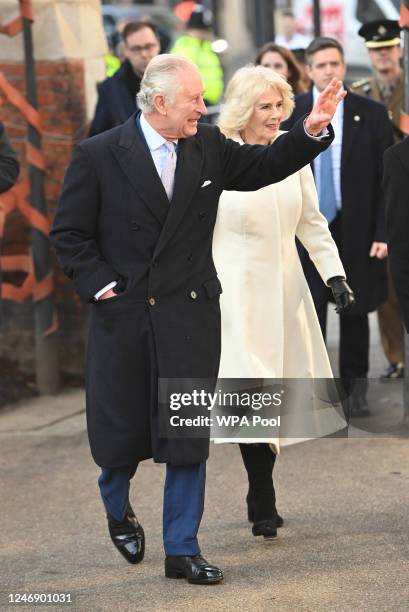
pixel 348 180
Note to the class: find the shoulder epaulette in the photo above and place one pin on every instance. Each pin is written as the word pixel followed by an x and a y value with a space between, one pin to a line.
pixel 360 83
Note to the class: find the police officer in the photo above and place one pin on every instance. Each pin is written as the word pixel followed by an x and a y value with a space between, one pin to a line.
pixel 195 45
pixel 382 38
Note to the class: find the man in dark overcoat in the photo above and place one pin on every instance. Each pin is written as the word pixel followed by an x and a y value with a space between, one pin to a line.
pixel 396 188
pixel 133 230
pixel 348 180
pixel 117 94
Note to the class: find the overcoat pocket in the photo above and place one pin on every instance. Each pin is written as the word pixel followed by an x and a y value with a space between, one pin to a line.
pixel 213 287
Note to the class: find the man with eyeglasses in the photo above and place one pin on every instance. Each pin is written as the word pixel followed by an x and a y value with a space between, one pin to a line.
pixel 117 94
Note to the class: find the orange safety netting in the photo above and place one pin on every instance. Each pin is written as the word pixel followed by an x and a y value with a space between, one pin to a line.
pixel 404 16
pixel 15 26
pixel 18 197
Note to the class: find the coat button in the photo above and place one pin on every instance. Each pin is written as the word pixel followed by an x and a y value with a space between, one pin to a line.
pixel 135 227
pixel 152 301
pixel 193 295
pixel 154 263
pixel 202 215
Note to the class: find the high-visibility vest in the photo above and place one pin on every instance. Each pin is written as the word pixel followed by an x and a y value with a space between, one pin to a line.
pixel 207 61
pixel 112 64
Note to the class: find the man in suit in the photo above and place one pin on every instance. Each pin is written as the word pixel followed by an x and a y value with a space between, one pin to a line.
pixel 382 39
pixel 134 231
pixel 348 180
pixel 396 188
pixel 117 94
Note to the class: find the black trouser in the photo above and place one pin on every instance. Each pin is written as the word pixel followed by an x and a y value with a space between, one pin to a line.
pixel 354 329
pixel 259 461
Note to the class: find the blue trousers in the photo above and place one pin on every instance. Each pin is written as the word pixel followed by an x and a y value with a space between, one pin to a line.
pixel 183 502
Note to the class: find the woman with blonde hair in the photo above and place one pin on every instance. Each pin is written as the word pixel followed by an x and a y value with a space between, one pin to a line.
pixel 269 326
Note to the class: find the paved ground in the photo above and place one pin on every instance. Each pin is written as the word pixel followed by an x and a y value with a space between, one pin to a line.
pixel 344 546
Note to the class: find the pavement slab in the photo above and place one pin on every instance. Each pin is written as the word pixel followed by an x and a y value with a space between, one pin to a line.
pixel 344 545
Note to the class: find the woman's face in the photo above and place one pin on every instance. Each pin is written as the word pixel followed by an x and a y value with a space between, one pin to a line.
pixel 273 60
pixel 265 120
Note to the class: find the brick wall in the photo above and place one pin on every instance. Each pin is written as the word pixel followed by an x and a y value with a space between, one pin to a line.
pixel 61 103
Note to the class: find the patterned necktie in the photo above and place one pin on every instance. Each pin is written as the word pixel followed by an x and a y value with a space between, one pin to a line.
pixel 168 170
pixel 328 202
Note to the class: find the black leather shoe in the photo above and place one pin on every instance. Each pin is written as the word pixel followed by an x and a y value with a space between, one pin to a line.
pixel 128 536
pixel 394 371
pixel 250 513
pixel 267 528
pixel 359 406
pixel 195 569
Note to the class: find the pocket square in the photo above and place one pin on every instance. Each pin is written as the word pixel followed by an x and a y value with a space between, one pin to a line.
pixel 205 184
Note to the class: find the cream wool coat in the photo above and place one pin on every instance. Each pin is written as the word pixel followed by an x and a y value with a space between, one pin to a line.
pixel 269 325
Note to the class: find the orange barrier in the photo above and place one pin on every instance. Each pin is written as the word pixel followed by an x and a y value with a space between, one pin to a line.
pixel 15 26
pixel 12 28
pixel 18 196
pixel 16 98
pixel 404 16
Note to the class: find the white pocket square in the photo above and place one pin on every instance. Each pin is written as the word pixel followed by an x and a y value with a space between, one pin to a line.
pixel 205 184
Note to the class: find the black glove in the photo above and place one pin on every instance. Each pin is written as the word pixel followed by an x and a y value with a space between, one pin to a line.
pixel 343 294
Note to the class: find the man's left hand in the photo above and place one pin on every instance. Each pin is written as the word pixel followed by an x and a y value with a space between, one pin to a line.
pixel 379 250
pixel 324 108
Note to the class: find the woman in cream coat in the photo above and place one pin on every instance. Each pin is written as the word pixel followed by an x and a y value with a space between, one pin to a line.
pixel 269 326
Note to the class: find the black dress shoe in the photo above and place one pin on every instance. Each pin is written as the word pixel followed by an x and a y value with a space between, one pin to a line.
pixel 359 406
pixel 195 569
pixel 279 521
pixel 394 371
pixel 128 536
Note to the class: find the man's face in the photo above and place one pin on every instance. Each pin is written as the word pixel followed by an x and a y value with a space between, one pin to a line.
pixel 183 113
pixel 386 59
pixel 139 48
pixel 326 65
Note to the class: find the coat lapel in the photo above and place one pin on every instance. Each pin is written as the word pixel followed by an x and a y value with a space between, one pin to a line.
pixel 137 164
pixel 353 120
pixel 188 173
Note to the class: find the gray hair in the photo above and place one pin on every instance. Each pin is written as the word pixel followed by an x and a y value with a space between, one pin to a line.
pixel 161 78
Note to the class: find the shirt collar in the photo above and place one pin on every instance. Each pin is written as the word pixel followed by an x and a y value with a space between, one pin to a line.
pixel 154 140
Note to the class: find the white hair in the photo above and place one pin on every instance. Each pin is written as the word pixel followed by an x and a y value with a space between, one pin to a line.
pixel 161 77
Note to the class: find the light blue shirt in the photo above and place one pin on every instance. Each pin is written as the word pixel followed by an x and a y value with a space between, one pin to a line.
pixel 156 144
pixel 336 151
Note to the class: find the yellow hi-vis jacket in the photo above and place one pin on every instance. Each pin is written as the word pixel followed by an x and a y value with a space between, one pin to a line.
pixel 207 61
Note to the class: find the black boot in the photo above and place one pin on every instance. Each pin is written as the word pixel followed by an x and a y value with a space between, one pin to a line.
pixel 250 510
pixel 259 461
